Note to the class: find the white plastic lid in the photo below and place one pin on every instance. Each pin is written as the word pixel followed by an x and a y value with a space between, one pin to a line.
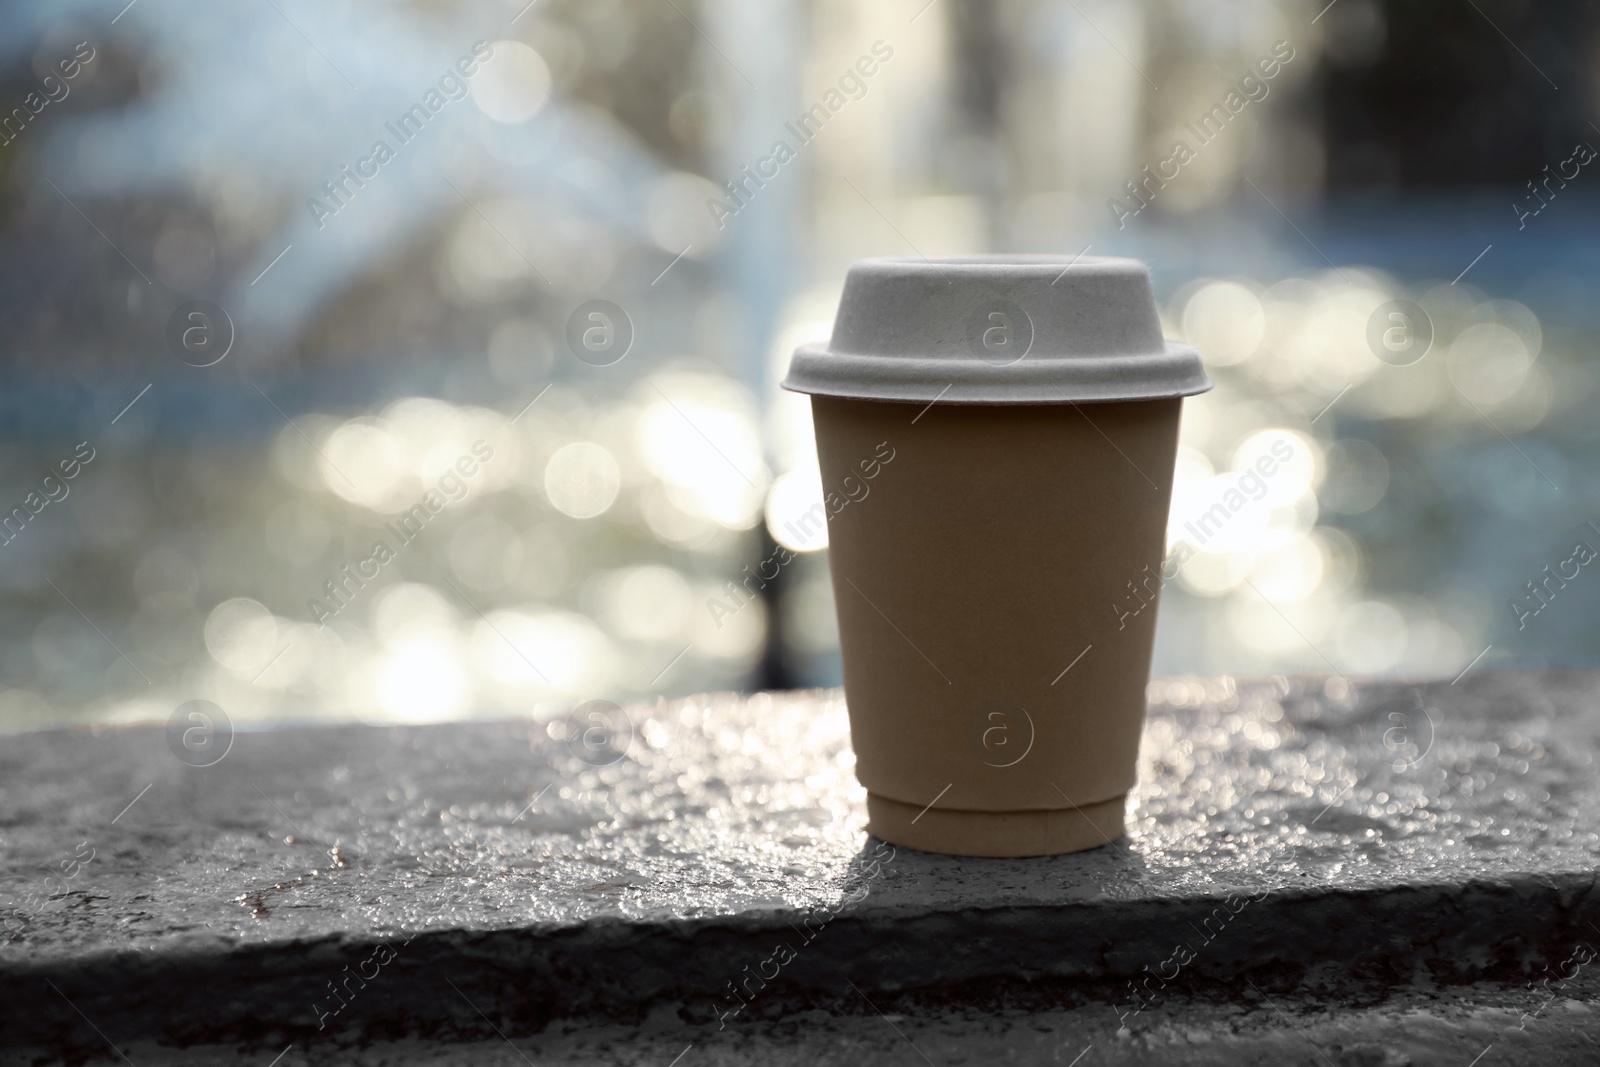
pixel 998 330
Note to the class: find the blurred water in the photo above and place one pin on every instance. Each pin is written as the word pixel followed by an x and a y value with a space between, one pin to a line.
pixel 238 534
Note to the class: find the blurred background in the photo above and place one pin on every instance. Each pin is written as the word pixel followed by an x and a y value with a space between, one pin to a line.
pixel 276 272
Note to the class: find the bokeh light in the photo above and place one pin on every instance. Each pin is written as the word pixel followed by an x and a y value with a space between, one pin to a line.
pixel 582 480
pixel 513 84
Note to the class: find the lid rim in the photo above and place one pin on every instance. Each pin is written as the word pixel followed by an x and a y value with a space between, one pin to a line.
pixel 1173 373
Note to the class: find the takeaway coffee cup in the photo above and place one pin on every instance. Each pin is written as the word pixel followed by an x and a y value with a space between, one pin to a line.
pixel 996 438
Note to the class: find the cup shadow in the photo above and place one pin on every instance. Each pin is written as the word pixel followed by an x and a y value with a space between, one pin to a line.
pixel 882 874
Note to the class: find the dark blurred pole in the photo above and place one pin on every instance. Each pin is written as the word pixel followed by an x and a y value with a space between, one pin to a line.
pixel 775 671
pixel 755 66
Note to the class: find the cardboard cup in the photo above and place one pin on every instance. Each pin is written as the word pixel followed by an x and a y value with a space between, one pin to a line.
pixel 996 696
pixel 996 541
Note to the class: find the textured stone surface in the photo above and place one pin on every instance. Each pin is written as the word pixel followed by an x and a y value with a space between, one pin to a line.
pixel 1479 1026
pixel 481 877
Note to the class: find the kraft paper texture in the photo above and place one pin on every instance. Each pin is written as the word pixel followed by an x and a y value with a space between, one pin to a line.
pixel 994 673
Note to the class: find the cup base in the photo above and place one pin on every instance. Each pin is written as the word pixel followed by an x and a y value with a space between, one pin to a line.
pixel 996 833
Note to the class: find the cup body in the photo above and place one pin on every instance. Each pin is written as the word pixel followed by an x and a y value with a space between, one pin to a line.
pixel 996 581
pixel 996 437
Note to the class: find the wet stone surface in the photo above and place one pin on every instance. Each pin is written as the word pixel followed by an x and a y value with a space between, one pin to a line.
pixel 336 887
